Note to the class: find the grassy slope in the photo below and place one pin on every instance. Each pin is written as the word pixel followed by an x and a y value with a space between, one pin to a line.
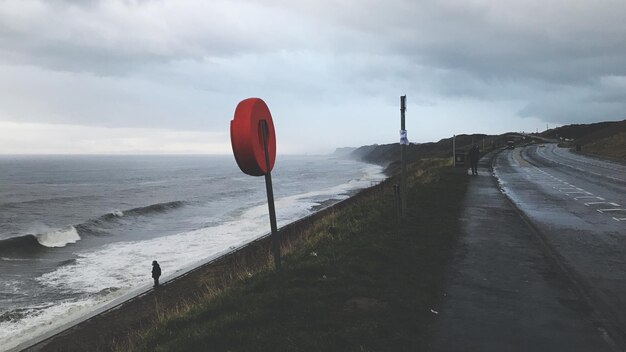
pixel 603 139
pixel 613 147
pixel 389 154
pixel 354 282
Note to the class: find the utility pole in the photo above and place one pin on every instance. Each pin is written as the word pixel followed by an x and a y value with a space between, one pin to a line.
pixel 403 143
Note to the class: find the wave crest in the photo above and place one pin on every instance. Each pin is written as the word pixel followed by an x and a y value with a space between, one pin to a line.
pixel 32 243
pixel 72 234
pixel 155 208
pixel 58 238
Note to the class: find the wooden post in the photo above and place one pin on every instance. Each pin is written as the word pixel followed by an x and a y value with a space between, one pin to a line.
pixel 270 202
pixel 403 157
pixel 454 150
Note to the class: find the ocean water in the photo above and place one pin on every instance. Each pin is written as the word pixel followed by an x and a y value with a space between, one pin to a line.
pixel 79 231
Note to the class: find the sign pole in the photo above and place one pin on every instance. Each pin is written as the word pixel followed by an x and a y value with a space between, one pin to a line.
pixel 454 150
pixel 270 201
pixel 403 157
pixel 253 139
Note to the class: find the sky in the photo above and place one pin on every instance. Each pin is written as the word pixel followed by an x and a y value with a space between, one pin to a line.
pixel 165 76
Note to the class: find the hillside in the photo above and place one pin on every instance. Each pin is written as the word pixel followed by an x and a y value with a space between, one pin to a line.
pixel 389 154
pixel 603 139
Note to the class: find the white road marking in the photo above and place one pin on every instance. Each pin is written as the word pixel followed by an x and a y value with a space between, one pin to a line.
pixel 612 209
pixel 588 197
pixel 584 170
pixel 596 203
pixel 548 180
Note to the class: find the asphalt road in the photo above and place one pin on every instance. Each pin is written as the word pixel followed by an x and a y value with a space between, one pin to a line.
pixel 577 205
pixel 504 291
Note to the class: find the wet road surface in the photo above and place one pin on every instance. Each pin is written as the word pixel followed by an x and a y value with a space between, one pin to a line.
pixel 577 204
pixel 503 291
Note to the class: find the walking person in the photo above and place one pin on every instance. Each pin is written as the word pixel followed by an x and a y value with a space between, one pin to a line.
pixel 156 272
pixel 474 156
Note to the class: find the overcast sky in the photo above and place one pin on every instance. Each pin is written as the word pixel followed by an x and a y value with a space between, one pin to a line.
pixel 87 76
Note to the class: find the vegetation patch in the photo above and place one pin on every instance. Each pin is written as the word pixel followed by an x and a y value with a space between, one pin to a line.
pixel 602 139
pixel 613 147
pixel 354 280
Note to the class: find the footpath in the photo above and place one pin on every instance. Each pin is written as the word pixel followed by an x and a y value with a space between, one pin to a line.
pixel 502 293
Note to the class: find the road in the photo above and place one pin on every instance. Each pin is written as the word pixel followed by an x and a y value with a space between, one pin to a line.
pixel 577 204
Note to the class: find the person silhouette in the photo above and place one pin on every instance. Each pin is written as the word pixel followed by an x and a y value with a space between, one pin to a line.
pixel 474 156
pixel 156 272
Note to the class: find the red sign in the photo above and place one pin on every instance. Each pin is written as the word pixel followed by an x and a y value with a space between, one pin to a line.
pixel 246 137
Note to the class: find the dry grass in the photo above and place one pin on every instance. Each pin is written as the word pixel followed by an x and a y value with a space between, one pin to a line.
pixel 613 147
pixel 354 253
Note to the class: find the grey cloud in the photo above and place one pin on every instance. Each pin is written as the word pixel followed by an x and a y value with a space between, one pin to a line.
pixel 558 42
pixel 177 62
pixel 117 37
pixel 474 37
pixel 564 110
pixel 577 105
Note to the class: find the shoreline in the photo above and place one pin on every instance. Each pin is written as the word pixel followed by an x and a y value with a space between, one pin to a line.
pixel 109 324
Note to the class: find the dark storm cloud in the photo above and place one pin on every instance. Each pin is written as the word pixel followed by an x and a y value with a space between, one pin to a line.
pixel 549 51
pixel 557 41
pixel 562 61
pixel 118 37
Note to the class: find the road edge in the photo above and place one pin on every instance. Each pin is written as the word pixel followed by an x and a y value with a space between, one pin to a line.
pixel 602 318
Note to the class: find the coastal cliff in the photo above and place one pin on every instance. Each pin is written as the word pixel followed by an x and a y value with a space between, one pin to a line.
pixel 388 155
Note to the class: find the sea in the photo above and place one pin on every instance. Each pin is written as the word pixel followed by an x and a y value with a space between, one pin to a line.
pixel 77 232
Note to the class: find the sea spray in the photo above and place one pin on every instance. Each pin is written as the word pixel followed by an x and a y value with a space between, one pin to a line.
pixel 58 238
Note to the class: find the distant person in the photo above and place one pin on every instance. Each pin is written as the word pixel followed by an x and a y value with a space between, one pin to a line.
pixel 473 156
pixel 156 272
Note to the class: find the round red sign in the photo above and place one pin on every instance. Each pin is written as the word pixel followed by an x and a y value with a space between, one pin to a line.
pixel 246 137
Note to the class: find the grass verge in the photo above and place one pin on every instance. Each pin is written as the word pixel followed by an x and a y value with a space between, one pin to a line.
pixel 354 280
pixel 613 147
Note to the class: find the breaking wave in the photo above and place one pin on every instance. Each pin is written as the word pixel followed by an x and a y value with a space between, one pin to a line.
pixel 59 238
pixel 31 243
pixel 34 242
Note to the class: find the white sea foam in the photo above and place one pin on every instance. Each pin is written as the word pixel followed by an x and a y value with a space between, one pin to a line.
pixel 118 264
pixel 43 318
pixel 14 259
pixel 58 238
pixel 9 287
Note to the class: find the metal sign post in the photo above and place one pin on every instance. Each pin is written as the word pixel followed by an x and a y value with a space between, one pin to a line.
pixel 270 200
pixel 403 143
